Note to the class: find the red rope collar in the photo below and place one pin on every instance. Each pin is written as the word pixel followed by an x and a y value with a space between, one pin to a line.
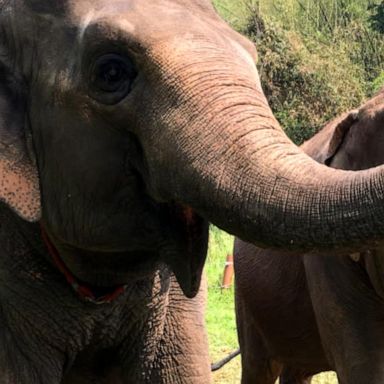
pixel 82 289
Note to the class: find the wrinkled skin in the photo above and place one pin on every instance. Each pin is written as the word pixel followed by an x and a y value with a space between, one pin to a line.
pixel 125 126
pixel 150 334
pixel 300 315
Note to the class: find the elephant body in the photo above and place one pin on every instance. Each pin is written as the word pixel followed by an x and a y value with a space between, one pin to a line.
pixel 299 315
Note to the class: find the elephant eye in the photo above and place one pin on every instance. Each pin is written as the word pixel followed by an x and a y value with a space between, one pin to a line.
pixel 111 78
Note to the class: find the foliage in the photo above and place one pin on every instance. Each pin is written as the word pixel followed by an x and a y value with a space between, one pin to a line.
pixel 377 17
pixel 304 87
pixel 317 58
pixel 378 83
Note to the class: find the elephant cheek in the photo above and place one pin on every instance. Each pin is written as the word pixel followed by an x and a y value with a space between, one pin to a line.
pixel 187 255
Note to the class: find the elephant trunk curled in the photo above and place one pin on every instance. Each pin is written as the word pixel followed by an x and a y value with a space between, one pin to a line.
pixel 247 176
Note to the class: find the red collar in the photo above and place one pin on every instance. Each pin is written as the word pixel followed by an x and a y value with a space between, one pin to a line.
pixel 82 289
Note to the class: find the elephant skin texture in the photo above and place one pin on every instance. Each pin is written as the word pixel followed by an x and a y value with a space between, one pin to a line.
pixel 126 126
pixel 299 315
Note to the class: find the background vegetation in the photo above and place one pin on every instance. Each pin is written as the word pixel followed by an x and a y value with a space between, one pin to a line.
pixel 317 58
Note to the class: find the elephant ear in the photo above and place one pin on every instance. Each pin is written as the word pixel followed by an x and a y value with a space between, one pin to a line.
pixel 324 145
pixel 19 182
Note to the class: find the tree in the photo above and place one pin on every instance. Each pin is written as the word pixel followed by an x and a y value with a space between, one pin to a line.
pixel 376 20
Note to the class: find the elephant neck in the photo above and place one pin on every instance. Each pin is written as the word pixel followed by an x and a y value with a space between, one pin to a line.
pixel 94 295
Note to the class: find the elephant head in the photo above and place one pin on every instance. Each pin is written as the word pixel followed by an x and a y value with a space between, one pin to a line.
pixel 126 125
pixel 353 141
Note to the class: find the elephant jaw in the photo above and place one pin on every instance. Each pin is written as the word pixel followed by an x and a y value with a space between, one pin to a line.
pixel 187 256
pixel 185 252
pixel 84 290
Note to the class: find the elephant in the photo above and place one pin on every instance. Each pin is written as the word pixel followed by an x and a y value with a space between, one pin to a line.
pixel 126 126
pixel 301 314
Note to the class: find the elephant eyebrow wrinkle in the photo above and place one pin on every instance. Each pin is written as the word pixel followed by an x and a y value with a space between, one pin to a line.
pixel 84 25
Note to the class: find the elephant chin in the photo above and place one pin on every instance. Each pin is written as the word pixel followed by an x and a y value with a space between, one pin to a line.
pixel 183 249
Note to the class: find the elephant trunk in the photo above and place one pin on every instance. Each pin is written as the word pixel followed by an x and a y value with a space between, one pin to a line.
pixel 226 156
pixel 274 193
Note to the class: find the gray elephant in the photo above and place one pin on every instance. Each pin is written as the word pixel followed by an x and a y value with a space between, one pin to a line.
pixel 300 315
pixel 125 126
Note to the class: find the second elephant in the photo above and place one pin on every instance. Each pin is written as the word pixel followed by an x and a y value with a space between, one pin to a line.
pixel 301 315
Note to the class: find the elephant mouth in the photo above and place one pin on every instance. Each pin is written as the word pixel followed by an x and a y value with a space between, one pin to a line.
pixel 101 277
pixel 91 293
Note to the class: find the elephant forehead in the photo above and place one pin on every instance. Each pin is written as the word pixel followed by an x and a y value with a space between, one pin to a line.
pixel 56 8
pixel 80 8
pixel 84 5
pixel 144 22
pixel 157 26
pixel 150 19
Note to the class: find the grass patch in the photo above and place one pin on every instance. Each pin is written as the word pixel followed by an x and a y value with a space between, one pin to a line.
pixel 220 315
pixel 234 12
pixel 221 309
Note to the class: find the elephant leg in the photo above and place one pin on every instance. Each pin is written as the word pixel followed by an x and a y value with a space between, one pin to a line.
pixel 350 317
pixel 259 370
pixel 17 367
pixel 183 357
pixel 291 376
pixel 24 358
pixel 95 367
pixel 174 346
pixel 257 366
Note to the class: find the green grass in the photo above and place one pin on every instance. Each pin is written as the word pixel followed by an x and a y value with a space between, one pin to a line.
pixel 235 12
pixel 220 315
